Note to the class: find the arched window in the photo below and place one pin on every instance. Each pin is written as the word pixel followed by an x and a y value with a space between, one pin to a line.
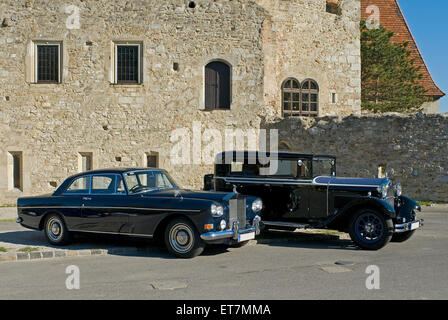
pixel 300 99
pixel 291 97
pixel 217 86
pixel 310 98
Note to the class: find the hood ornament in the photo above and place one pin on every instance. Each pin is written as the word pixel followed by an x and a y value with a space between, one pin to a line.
pixel 234 189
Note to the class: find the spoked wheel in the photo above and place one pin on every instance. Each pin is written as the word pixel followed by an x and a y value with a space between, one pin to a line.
pixel 370 229
pixel 182 239
pixel 55 230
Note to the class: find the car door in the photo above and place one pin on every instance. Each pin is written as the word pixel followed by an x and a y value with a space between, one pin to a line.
pixel 105 209
pixel 71 202
pixel 296 193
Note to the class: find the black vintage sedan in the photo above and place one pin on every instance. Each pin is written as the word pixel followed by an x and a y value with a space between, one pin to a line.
pixel 142 203
pixel 302 191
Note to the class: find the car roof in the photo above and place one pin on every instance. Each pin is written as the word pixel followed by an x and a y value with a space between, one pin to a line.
pixel 70 179
pixel 280 154
pixel 118 170
pixel 114 171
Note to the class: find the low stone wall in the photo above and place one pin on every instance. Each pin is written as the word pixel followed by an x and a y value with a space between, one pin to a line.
pixel 412 148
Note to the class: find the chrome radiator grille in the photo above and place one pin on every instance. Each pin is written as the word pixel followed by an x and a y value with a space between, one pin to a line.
pixel 237 211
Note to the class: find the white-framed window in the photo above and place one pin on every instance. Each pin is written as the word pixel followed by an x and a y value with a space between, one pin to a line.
pixel 127 62
pixel 47 61
pixel 85 161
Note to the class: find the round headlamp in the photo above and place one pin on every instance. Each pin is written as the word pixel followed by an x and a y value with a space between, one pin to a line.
pixel 217 210
pixel 223 224
pixel 383 190
pixel 257 205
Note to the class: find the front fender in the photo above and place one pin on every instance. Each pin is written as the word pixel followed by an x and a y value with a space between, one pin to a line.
pixel 405 207
pixel 339 220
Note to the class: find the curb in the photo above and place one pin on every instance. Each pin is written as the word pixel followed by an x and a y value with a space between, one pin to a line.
pixel 49 254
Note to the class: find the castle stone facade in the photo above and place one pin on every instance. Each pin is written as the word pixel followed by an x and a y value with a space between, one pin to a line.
pixel 87 118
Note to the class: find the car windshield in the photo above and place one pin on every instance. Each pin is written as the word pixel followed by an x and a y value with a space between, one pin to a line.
pixel 145 181
pixel 324 166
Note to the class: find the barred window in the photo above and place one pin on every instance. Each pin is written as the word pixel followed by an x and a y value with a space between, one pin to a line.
pixel 127 69
pixel 127 64
pixel 300 99
pixel 48 57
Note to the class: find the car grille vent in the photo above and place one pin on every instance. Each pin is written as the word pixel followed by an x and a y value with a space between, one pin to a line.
pixel 237 210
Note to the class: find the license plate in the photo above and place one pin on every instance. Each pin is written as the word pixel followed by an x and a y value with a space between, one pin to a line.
pixel 246 236
pixel 415 225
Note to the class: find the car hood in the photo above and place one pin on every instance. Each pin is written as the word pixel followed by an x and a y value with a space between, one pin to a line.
pixel 361 182
pixel 190 194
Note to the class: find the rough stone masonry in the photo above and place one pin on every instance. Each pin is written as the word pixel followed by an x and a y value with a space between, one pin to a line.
pixel 46 128
pixel 412 149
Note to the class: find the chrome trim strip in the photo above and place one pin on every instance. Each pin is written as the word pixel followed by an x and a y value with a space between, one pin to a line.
pixel 292 182
pixel 119 208
pixel 115 233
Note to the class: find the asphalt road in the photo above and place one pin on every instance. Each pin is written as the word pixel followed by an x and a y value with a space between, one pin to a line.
pixel 282 266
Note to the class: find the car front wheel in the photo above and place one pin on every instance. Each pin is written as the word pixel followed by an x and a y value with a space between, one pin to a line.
pixel 370 229
pixel 55 230
pixel 182 239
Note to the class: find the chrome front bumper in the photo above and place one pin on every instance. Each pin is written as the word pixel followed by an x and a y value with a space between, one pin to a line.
pixel 234 233
pixel 408 226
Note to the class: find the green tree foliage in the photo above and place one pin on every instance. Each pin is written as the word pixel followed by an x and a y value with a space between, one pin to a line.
pixel 388 74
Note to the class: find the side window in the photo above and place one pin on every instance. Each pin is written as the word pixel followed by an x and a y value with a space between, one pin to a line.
pixel 80 186
pixel 104 184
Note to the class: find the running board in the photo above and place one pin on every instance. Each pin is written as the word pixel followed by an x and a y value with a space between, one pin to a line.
pixel 286 224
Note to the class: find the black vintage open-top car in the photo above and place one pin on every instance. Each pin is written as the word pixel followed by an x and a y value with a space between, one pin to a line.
pixel 142 203
pixel 302 191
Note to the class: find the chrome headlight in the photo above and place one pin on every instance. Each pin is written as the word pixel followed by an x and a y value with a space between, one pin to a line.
pixel 217 210
pixel 257 205
pixel 383 190
pixel 398 190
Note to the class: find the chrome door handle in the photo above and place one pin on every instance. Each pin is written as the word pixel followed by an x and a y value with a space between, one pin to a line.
pixel 86 198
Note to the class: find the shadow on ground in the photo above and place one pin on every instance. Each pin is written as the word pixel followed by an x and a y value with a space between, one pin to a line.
pixel 115 245
pixel 305 240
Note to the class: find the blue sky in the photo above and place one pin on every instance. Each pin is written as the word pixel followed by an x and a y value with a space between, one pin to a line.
pixel 427 20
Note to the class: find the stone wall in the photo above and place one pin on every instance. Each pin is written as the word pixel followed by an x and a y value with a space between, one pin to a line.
pixel 413 149
pixel 303 41
pixel 50 125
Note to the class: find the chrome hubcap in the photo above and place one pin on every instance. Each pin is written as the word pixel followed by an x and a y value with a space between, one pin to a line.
pixel 181 238
pixel 54 229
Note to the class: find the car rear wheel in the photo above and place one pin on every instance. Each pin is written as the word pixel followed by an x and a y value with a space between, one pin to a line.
pixel 402 236
pixel 370 229
pixel 55 230
pixel 182 239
